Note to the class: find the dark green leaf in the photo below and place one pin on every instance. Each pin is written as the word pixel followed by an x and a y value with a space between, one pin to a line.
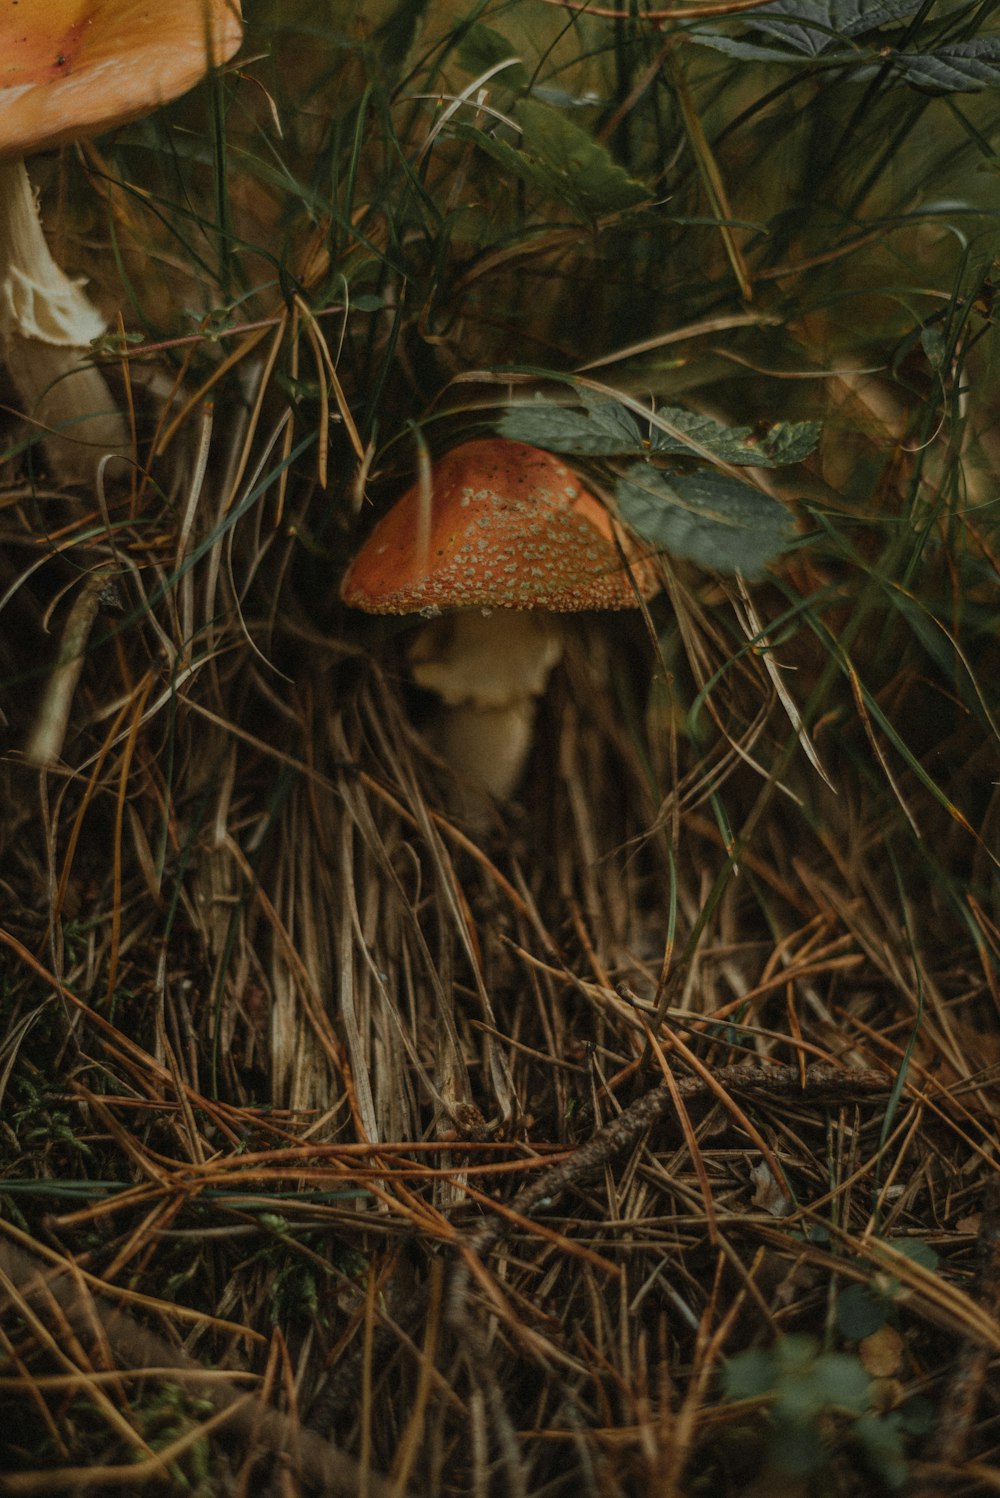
pixel 481 48
pixel 750 51
pixel 797 1448
pixel 918 1416
pixel 784 442
pixel 840 1379
pixel 963 67
pixel 738 46
pixel 859 1312
pixel 750 1375
pixel 707 517
pixel 584 171
pixel 607 429
pixel 882 1439
pixel 562 161
pixel 516 163
pixel 790 441
pixel 809 29
pixel 812 26
pixel 912 1248
pixel 604 428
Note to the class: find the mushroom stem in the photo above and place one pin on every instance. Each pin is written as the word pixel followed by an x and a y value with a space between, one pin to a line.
pixel 486 748
pixel 46 324
pixel 488 669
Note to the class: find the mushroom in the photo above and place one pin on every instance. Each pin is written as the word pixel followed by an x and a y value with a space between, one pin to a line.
pixel 500 526
pixel 70 69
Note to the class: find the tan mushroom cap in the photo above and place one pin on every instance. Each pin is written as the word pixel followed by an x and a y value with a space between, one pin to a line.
pixel 510 527
pixel 70 68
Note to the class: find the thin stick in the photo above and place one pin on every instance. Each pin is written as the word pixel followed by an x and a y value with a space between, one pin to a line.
pixel 45 742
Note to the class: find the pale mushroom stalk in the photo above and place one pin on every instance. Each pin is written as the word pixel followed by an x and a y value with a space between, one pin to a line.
pixel 489 669
pixel 69 70
pixel 47 322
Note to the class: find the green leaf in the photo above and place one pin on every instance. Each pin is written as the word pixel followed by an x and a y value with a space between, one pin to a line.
pixel 583 171
pixel 840 1379
pixel 607 429
pixel 784 442
pixel 604 428
pixel 860 1311
pixel 881 1436
pixel 788 442
pixel 810 30
pixel 797 1448
pixel 918 1416
pixel 706 517
pixel 738 46
pixel 811 26
pixel 481 48
pixel 514 162
pixel 913 1249
pixel 750 1375
pixel 963 67
pixel 562 161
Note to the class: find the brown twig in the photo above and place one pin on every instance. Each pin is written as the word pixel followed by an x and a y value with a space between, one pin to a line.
pixel 822 1082
pixel 625 1131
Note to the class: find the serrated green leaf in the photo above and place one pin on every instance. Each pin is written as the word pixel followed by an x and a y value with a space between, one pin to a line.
pixel 706 517
pixel 562 161
pixel 813 26
pixel 790 441
pixel 481 48
pixel 747 51
pixel 784 442
pixel 809 29
pixel 515 163
pixel 603 429
pixel 728 444
pixel 584 171
pixel 963 67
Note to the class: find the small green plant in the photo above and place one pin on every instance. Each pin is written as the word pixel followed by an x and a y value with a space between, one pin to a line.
pixel 171 1415
pixel 817 1400
pixel 35 1130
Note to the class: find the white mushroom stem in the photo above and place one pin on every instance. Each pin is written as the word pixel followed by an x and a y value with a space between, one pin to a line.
pixel 46 325
pixel 488 670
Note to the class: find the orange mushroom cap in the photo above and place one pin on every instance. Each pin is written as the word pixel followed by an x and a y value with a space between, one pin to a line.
pixel 510 527
pixel 70 68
